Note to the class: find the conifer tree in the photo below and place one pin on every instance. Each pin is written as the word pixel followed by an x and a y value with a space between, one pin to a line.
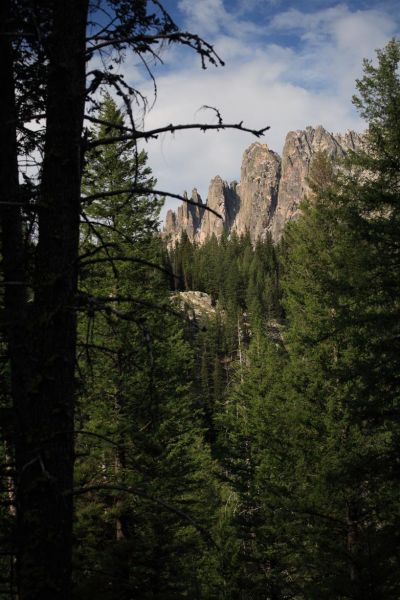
pixel 314 460
pixel 143 519
pixel 340 385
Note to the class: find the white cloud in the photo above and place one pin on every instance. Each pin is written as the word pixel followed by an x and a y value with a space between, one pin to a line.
pixel 205 17
pixel 264 83
pixel 333 43
pixel 253 92
pixel 210 17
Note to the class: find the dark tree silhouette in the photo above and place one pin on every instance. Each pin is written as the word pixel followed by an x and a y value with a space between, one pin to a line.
pixel 45 48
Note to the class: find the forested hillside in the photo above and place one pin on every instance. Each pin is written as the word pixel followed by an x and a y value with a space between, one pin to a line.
pixel 241 444
pixel 298 372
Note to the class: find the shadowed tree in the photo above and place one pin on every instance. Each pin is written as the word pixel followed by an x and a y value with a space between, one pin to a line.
pixel 47 75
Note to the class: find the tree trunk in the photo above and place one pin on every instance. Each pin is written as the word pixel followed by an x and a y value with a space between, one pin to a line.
pixel 43 369
pixel 122 520
pixel 13 265
pixel 352 549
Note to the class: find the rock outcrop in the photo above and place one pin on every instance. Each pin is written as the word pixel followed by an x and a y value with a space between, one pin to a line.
pixel 196 305
pixel 223 199
pixel 269 193
pixel 298 151
pixel 257 191
pixel 187 218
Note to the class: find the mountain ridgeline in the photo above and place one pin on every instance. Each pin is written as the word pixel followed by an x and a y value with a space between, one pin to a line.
pixel 268 195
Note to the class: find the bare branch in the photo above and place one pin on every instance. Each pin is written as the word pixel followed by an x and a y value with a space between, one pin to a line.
pixel 105 29
pixel 219 116
pixel 147 191
pixel 102 301
pixel 153 133
pixel 134 259
pixel 144 43
pixel 107 123
pixel 100 237
pixel 97 249
pixel 98 436
pixel 99 347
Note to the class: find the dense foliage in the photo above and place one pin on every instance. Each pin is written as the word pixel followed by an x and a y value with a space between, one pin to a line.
pixel 307 428
pixel 144 476
pixel 249 452
pixel 314 458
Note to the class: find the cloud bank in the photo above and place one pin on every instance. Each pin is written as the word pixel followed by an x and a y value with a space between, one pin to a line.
pixel 295 69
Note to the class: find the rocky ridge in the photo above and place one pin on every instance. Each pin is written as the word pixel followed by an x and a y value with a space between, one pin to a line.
pixel 268 194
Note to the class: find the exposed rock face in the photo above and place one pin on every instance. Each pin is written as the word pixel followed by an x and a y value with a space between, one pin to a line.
pixel 200 224
pixel 269 193
pixel 197 305
pixel 223 199
pixel 257 190
pixel 187 218
pixel 170 225
pixel 298 151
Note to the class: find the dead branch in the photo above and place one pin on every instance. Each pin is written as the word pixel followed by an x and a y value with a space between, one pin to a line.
pixel 134 259
pixel 146 191
pixel 103 301
pixel 144 42
pixel 153 133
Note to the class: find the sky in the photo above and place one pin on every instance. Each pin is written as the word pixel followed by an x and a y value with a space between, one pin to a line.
pixel 288 65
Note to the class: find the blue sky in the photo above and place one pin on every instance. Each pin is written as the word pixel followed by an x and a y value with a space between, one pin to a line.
pixel 288 65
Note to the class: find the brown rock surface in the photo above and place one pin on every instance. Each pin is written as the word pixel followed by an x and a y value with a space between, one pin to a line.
pixel 197 305
pixel 170 225
pixel 187 218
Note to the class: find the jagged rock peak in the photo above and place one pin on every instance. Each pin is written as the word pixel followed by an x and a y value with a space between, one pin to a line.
pixel 222 198
pixel 269 193
pixel 170 221
pixel 300 146
pixel 187 218
pixel 258 190
pixel 196 196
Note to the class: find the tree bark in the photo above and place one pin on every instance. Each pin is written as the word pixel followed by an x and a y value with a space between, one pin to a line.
pixel 14 319
pixel 42 343
pixel 13 267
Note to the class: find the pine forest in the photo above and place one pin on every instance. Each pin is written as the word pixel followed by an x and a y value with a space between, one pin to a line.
pixel 214 420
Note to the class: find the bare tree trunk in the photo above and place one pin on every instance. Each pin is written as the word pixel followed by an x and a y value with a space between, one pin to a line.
pixel 13 264
pixel 240 339
pixel 42 344
pixel 121 521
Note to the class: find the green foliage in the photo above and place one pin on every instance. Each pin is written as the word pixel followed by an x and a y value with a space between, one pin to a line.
pixel 314 454
pixel 240 277
pixel 148 490
pixel 285 447
pixel 379 103
pixel 252 431
pixel 126 217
